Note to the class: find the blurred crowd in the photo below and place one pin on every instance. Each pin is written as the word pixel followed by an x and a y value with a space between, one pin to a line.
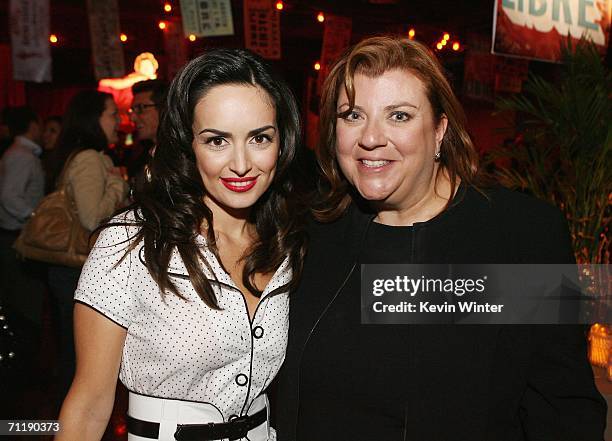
pixel 83 153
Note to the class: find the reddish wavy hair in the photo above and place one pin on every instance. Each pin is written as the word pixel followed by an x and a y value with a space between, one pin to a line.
pixel 372 57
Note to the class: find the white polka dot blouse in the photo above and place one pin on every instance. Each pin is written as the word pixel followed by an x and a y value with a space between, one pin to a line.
pixel 182 349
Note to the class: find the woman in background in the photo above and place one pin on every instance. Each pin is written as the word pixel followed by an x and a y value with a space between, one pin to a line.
pixel 51 130
pixel 97 189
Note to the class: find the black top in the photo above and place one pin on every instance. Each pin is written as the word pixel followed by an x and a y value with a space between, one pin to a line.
pixel 456 383
pixel 365 380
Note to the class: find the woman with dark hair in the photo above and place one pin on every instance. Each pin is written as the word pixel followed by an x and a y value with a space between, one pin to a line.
pixel 97 190
pixel 185 294
pixel 401 186
pixel 51 130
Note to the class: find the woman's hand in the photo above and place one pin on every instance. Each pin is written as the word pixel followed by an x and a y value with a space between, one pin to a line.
pixel 89 403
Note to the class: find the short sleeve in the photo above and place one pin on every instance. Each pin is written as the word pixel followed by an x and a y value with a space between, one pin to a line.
pixel 104 284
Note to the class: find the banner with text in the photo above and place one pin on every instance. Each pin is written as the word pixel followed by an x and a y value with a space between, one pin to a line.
pixel 105 44
pixel 336 38
pixel 175 47
pixel 208 18
pixel 485 294
pixel 536 28
pixel 29 23
pixel 262 28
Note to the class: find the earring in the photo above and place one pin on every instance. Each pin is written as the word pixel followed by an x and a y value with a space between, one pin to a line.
pixel 437 156
pixel 147 173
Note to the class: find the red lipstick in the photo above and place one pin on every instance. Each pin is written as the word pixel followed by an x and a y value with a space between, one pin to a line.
pixel 239 185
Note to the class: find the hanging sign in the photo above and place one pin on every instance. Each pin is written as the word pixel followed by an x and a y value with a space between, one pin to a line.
pixel 29 23
pixel 536 28
pixel 207 18
pixel 175 47
pixel 262 28
pixel 12 92
pixel 336 38
pixel 105 44
pixel 510 73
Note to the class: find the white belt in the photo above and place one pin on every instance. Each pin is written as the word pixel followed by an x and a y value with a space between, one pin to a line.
pixel 169 413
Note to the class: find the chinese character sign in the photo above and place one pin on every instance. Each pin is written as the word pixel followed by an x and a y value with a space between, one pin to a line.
pixel 104 30
pixel 262 28
pixel 336 38
pixel 29 21
pixel 175 47
pixel 536 28
pixel 207 18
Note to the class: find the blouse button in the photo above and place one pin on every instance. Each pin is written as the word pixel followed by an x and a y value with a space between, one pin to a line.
pixel 242 380
pixel 258 332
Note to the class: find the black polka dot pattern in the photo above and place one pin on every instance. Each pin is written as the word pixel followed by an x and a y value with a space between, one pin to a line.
pixel 182 349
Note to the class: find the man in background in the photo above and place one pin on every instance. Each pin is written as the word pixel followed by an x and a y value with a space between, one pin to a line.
pixel 22 185
pixel 147 104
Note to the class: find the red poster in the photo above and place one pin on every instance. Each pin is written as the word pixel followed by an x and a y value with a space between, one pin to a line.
pixel 336 38
pixel 262 28
pixel 31 55
pixel 479 69
pixel 536 28
pixel 175 47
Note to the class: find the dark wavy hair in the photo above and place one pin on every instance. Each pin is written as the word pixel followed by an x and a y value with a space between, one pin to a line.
pixel 80 129
pixel 169 207
pixel 373 57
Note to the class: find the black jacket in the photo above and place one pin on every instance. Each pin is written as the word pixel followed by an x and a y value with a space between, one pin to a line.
pixel 475 383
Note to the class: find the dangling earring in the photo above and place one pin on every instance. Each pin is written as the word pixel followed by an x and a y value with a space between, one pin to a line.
pixel 147 173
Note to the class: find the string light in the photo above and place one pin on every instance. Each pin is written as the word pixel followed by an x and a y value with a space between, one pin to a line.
pixel 123 38
pixel 280 6
pixel 162 25
pixel 446 36
pixel 439 46
pixel 192 37
pixel 317 66
pixel 411 33
pixel 168 7
pixel 443 42
pixel 320 17
pixel 53 38
pixel 456 46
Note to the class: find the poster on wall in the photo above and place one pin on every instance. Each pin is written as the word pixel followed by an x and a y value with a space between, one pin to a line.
pixel 536 28
pixel 486 75
pixel 478 69
pixel 207 18
pixel 12 92
pixel 175 47
pixel 336 38
pixel 105 44
pixel 31 55
pixel 262 28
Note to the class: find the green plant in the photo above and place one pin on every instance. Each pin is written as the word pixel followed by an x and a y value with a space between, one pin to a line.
pixel 564 155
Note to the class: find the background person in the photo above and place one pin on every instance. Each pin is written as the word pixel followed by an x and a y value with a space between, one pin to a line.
pixel 21 189
pixel 149 97
pixel 401 186
pixel 51 130
pixel 97 188
pixel 147 104
pixel 185 296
